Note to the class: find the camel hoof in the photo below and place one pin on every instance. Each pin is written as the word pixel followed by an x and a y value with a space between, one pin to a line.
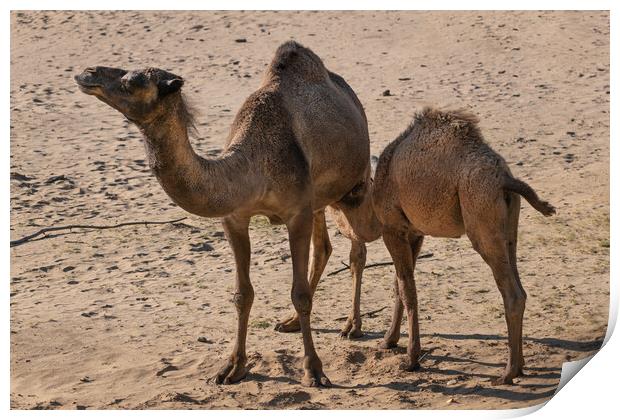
pixel 313 373
pixel 508 376
pixel 386 345
pixel 413 367
pixel 346 329
pixel 288 326
pixel 354 334
pixel 316 380
pixel 503 380
pixel 231 373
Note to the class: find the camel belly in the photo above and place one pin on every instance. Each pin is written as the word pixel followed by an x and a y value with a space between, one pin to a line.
pixel 436 215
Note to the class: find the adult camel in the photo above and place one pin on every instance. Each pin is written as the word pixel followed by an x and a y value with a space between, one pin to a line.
pixel 298 144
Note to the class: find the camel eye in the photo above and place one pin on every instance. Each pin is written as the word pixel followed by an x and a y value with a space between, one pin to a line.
pixel 138 80
pixel 133 81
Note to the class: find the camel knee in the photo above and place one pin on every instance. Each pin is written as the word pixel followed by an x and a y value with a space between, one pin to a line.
pixel 243 300
pixel 302 301
pixel 408 293
pixel 515 302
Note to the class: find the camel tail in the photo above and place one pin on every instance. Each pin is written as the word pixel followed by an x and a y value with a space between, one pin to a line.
pixel 524 190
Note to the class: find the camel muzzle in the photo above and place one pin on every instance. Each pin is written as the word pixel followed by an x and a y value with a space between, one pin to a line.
pixel 98 76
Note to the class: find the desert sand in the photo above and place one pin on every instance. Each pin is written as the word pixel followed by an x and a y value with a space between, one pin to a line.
pixel 141 316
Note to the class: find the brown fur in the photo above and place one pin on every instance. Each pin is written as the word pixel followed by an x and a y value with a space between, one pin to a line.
pixel 440 178
pixel 283 159
pixel 357 222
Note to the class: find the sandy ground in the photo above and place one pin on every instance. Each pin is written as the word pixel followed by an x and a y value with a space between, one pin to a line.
pixel 111 318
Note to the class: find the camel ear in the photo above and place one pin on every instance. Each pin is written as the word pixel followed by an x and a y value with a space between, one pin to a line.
pixel 167 87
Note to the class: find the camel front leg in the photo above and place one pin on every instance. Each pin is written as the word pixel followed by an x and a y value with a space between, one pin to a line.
pixel 236 230
pixel 401 250
pixel 300 230
pixel 321 250
pixel 357 259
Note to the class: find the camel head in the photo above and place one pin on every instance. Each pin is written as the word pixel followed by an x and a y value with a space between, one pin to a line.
pixel 140 95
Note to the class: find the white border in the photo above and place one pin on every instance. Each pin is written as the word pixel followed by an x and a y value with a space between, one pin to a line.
pixel 594 392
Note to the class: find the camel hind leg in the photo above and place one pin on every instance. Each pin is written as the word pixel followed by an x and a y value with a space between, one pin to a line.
pixel 321 251
pixel 490 225
pixel 514 207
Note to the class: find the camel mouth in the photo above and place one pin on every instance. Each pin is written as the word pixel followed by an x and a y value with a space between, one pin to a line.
pixel 84 84
pixel 88 89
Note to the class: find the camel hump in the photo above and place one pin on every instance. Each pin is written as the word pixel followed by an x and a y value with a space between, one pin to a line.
pixel 459 119
pixel 293 59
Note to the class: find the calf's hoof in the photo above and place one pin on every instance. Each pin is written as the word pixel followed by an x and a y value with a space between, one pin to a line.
pixel 508 376
pixel 385 345
pixel 355 333
pixel 412 367
pixel 289 325
pixel 502 380
pixel 351 332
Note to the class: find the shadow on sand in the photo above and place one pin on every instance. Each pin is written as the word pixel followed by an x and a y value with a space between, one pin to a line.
pixel 520 392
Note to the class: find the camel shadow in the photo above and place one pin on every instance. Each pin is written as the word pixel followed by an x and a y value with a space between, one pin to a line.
pixel 368 335
pixel 583 346
pixel 478 390
pixel 519 392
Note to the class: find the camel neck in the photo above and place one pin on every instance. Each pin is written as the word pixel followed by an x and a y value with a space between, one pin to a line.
pixel 167 143
pixel 205 187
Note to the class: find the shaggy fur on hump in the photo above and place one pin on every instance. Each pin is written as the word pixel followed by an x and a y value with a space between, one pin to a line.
pixel 292 57
pixel 458 119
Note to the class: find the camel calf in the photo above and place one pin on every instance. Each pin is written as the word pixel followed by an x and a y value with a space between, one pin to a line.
pixel 440 178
